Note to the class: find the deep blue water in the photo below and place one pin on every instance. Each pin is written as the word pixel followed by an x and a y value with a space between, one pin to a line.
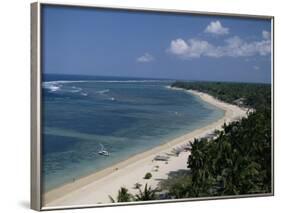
pixel 126 115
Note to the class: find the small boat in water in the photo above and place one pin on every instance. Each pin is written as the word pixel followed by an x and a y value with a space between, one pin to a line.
pixel 102 151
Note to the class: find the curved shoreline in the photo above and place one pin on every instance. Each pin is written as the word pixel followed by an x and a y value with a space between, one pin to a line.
pixel 96 187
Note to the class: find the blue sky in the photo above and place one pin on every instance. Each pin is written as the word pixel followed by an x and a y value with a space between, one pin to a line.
pixel 155 45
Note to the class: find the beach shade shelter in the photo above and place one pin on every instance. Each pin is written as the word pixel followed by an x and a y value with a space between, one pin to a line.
pixel 161 158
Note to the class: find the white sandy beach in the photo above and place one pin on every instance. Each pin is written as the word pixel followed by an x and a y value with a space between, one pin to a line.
pixel 96 188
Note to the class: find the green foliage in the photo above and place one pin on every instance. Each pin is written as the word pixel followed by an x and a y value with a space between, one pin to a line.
pixel 123 196
pixel 238 161
pixel 252 95
pixel 177 186
pixel 147 194
pixel 148 175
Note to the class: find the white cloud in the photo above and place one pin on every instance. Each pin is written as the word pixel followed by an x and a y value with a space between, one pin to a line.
pixel 232 47
pixel 145 58
pixel 191 48
pixel 237 47
pixel 266 35
pixel 178 46
pixel 215 27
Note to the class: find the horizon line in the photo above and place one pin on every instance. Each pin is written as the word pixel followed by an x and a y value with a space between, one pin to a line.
pixel 153 78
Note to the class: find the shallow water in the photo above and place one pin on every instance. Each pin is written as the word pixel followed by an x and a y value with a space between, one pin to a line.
pixel 127 116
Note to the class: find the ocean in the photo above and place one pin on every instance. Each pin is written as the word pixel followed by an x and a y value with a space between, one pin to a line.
pixel 124 115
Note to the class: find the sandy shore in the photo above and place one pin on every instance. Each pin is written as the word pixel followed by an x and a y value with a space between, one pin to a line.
pixel 96 188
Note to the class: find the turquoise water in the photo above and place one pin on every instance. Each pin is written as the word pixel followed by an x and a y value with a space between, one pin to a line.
pixel 127 116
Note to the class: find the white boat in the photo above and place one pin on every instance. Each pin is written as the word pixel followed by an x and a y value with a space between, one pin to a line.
pixel 103 151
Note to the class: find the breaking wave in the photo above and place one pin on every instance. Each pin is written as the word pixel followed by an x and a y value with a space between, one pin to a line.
pixel 103 91
pixel 56 86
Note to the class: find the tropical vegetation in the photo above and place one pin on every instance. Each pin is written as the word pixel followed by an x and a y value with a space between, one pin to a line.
pixel 124 196
pixel 237 161
pixel 148 175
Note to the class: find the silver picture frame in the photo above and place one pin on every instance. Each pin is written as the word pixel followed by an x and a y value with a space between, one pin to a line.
pixel 36 101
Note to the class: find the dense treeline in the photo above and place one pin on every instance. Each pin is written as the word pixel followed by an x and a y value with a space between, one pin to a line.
pixel 238 160
pixel 252 95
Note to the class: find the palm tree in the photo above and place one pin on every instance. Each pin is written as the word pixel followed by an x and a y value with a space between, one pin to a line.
pixel 147 194
pixel 181 188
pixel 123 196
pixel 238 161
pixel 199 164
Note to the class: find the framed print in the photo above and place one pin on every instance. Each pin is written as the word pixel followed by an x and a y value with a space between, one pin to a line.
pixel 137 105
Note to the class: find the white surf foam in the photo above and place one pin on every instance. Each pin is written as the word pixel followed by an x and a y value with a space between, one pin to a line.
pixel 103 91
pixel 52 86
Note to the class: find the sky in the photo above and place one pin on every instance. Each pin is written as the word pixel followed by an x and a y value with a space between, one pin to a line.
pixel 101 42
